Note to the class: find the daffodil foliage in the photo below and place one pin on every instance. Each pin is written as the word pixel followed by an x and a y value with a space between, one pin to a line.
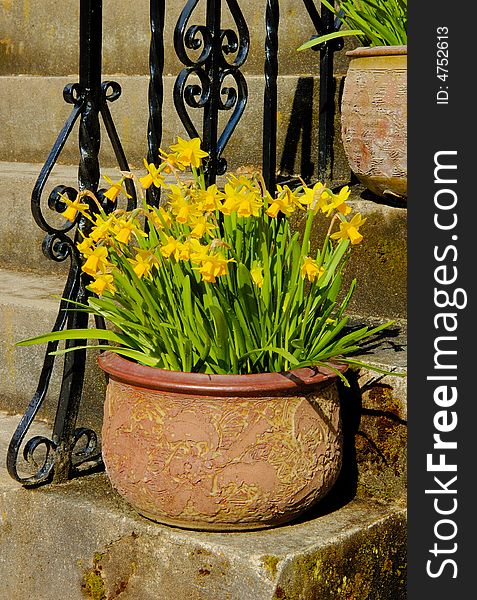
pixel 216 281
pixel 372 22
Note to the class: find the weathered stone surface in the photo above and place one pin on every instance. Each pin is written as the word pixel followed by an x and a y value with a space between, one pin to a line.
pixel 33 112
pixel 86 542
pixel 28 308
pixel 39 37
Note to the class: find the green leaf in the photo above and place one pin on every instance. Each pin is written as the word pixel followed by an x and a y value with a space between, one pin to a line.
pixel 327 37
pixel 73 334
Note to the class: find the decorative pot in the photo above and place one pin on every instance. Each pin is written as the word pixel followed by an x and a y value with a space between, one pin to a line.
pixel 374 118
pixel 220 452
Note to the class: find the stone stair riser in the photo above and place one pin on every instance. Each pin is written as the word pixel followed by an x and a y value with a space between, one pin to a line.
pixel 31 42
pixel 33 113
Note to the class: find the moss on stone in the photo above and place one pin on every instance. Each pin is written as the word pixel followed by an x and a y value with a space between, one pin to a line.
pixel 270 563
pixel 370 567
pixel 93 585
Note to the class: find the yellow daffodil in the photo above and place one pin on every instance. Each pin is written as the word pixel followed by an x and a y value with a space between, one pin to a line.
pixel 115 190
pixel 183 210
pixel 285 202
pixel 310 269
pixel 188 152
pixel 153 176
pixel 160 217
pixel 256 273
pixel 143 262
pixel 214 266
pixel 242 181
pixel 101 229
pixel 249 206
pixel 101 283
pixel 85 246
pixel 73 208
pixel 172 247
pixel 210 199
pixel 337 202
pixel 340 200
pixel 350 230
pixel 97 261
pixel 170 163
pixel 198 253
pixel 123 229
pixel 315 198
pixel 242 201
pixel 200 227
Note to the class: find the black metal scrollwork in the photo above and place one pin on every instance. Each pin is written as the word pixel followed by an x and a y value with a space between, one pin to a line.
pixel 156 90
pixel 201 84
pixel 70 449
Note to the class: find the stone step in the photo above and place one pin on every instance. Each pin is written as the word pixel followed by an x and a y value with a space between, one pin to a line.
pixel 375 406
pixel 33 113
pixel 28 307
pixel 32 42
pixel 380 262
pixel 88 543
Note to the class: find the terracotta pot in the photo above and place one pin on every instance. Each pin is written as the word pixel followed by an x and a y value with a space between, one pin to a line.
pixel 374 118
pixel 220 452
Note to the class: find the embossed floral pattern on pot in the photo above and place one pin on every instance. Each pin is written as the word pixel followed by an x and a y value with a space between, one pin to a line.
pixel 228 454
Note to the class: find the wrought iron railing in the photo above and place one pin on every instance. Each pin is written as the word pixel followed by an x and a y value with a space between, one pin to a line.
pixel 219 86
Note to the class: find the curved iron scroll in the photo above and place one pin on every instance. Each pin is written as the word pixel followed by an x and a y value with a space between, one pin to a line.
pixel 207 78
pixel 70 449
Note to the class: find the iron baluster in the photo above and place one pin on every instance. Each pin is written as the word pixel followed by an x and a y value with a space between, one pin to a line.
pixel 325 23
pixel 211 68
pixel 156 90
pixel 63 454
pixel 272 18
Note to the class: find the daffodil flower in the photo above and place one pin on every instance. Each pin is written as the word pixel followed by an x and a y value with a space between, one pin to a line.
pixel 160 217
pixel 337 202
pixel 123 229
pixel 214 266
pixel 102 282
pixel 198 253
pixel 115 190
pixel 73 208
pixel 210 199
pixel 183 209
pixel 101 229
pixel 170 163
pixel 350 230
pixel 153 176
pixel 285 202
pixel 249 206
pixel 315 198
pixel 143 262
pixel 310 269
pixel 256 273
pixel 85 246
pixel 97 261
pixel 172 247
pixel 243 201
pixel 188 152
pixel 200 227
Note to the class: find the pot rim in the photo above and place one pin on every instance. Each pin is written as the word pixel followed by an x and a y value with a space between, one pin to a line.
pixel 377 51
pixel 201 384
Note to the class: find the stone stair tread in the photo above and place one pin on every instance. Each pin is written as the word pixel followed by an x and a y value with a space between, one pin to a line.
pixel 88 524
pixel 30 290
